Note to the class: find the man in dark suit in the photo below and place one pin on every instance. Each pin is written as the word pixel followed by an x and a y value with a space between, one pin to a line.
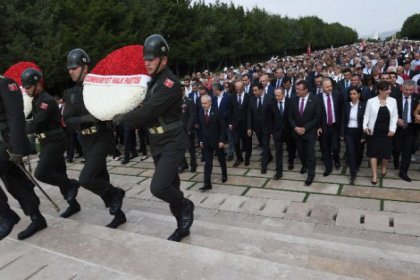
pixel 332 108
pixel 212 140
pixel 278 78
pixel 258 104
pixel 317 89
pixel 289 90
pixel 279 127
pixel 304 118
pixel 405 134
pixel 193 95
pixel 268 88
pixel 247 84
pixel 238 124
pixel 188 118
pixel 313 74
pixel 344 84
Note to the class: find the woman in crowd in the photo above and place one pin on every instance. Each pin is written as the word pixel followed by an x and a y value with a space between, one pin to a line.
pixel 352 130
pixel 380 123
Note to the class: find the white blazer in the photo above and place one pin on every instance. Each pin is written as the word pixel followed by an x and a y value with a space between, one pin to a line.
pixel 371 113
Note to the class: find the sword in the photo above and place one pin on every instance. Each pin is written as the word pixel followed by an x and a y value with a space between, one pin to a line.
pixel 30 177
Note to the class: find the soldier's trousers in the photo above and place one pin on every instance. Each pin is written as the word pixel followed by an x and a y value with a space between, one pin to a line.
pixel 165 182
pixel 19 186
pixel 51 167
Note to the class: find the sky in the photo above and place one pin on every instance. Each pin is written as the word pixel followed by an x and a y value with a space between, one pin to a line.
pixel 365 16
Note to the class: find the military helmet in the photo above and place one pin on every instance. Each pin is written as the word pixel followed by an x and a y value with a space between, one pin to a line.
pixel 30 77
pixel 77 57
pixel 155 46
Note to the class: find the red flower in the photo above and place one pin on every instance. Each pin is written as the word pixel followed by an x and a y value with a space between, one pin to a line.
pixel 127 60
pixel 15 71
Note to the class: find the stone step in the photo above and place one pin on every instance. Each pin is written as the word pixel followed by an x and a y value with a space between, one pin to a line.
pixel 351 252
pixel 134 256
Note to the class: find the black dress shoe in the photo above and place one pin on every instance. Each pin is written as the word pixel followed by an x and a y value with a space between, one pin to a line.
pixel 405 177
pixel 205 188
pixel 181 169
pixel 277 176
pixel 309 181
pixel 352 180
pixel 186 215
pixel 193 169
pixel 38 223
pixel 118 220
pixel 178 235
pixel 291 166
pixel 224 179
pixel 125 161
pixel 373 182
pixel 72 189
pixel 7 222
pixel 303 170
pixel 327 172
pixel 74 207
pixel 263 170
pixel 246 162
pixel 117 196
pixel 237 163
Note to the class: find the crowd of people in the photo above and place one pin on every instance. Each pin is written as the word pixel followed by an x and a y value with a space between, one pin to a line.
pixel 346 98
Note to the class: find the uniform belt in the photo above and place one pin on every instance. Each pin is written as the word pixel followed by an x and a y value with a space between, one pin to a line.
pixel 101 126
pixel 48 133
pixel 164 128
pixel 90 130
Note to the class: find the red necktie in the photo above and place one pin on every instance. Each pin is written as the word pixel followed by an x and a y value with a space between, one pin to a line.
pixel 302 105
pixel 206 117
pixel 329 110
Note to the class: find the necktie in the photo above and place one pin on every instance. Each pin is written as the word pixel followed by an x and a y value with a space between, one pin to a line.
pixel 259 102
pixel 405 112
pixel 239 100
pixel 281 108
pixel 347 83
pixel 278 83
pixel 206 117
pixel 329 110
pixel 302 106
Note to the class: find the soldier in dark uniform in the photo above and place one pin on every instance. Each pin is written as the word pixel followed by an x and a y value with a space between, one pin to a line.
pixel 188 117
pixel 96 139
pixel 46 125
pixel 161 113
pixel 13 140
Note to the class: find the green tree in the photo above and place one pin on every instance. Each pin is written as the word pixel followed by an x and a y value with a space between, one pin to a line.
pixel 411 27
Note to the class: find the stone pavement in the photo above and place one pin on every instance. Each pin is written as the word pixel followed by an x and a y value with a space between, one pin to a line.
pixel 251 227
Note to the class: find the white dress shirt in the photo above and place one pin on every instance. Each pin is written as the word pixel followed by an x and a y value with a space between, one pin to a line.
pixel 354 110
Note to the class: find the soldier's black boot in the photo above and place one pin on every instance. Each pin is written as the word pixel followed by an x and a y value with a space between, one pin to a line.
pixel 7 222
pixel 185 220
pixel 38 223
pixel 117 197
pixel 118 220
pixel 72 190
pixel 74 207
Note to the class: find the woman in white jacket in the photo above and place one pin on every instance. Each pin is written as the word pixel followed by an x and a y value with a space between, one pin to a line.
pixel 380 123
